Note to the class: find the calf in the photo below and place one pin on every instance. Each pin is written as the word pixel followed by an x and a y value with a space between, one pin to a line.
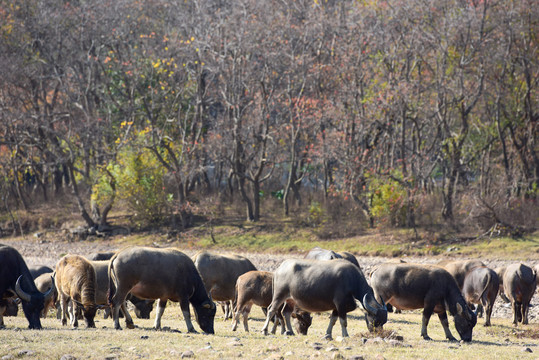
pixel 76 281
pixel 519 282
pixel 410 286
pixel 255 287
pixel 481 286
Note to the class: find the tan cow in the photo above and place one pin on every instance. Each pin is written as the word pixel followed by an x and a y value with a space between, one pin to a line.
pixel 76 281
pixel 255 287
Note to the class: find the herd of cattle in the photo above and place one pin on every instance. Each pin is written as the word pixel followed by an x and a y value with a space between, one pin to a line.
pixel 323 281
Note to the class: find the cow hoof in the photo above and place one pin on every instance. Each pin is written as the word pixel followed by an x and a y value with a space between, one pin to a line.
pixel 118 328
pixel 452 339
pixel 289 333
pixel 426 337
pixel 327 337
pixel 130 326
pixel 265 332
pixel 193 331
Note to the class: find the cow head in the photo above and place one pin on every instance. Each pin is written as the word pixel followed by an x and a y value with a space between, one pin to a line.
pixel 143 308
pixel 465 320
pixel 302 321
pixel 375 314
pixel 205 314
pixel 32 303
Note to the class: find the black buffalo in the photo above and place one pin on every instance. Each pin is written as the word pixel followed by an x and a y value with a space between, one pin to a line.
pixel 16 280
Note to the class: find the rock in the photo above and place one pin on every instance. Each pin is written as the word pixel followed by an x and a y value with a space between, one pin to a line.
pixel 376 340
pixel 144 337
pixel 527 349
pixel 187 354
pixel 337 356
pixel 8 357
pixel 332 348
pixel 396 343
pixel 26 353
pixel 339 339
pixel 356 357
pixel 272 348
pixel 111 357
pixel 65 357
pixel 275 357
pixel 315 355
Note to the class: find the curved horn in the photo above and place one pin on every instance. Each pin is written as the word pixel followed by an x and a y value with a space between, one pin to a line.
pixel 20 292
pixel 367 306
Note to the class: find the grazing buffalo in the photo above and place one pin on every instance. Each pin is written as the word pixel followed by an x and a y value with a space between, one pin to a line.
pixel 519 282
pixel 220 273
pixel 481 286
pixel 409 286
pixel 37 270
pixel 76 281
pixel 322 254
pixel 16 280
pixel 500 271
pixel 255 287
pixel 44 283
pixel 323 285
pixel 163 274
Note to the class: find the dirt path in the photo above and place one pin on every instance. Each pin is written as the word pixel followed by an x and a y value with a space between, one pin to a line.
pixel 44 252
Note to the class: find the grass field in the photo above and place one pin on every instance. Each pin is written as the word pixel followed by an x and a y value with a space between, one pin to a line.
pixel 501 341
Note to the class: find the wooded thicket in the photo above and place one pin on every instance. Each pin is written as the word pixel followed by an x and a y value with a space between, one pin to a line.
pixel 399 109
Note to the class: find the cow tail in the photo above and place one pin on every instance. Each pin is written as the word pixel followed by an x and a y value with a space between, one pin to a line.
pixel 489 279
pixel 112 288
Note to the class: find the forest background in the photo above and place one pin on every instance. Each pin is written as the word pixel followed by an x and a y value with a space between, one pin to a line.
pixel 332 116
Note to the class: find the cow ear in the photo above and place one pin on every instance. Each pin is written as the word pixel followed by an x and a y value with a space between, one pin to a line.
pixel 208 304
pixel 460 310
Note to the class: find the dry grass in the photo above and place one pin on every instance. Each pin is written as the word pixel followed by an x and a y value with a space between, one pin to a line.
pixel 401 333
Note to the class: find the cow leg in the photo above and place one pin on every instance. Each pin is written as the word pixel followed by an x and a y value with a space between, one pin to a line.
pixel 128 319
pixel 525 307
pixel 445 325
pixel 184 304
pixel 73 314
pixel 286 315
pixel 63 309
pixel 161 305
pixel 515 313
pixel 488 305
pixel 344 324
pixel 3 308
pixel 427 313
pixel 332 322
pixel 275 306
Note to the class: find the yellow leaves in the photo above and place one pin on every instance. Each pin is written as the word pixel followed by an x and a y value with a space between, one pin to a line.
pixel 124 123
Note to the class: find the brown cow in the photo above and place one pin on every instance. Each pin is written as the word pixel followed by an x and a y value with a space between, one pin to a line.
pixel 220 273
pixel 519 282
pixel 255 287
pixel 76 281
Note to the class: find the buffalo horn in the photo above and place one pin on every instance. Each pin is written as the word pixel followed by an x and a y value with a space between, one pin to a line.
pixel 20 292
pixel 368 306
pixel 209 304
